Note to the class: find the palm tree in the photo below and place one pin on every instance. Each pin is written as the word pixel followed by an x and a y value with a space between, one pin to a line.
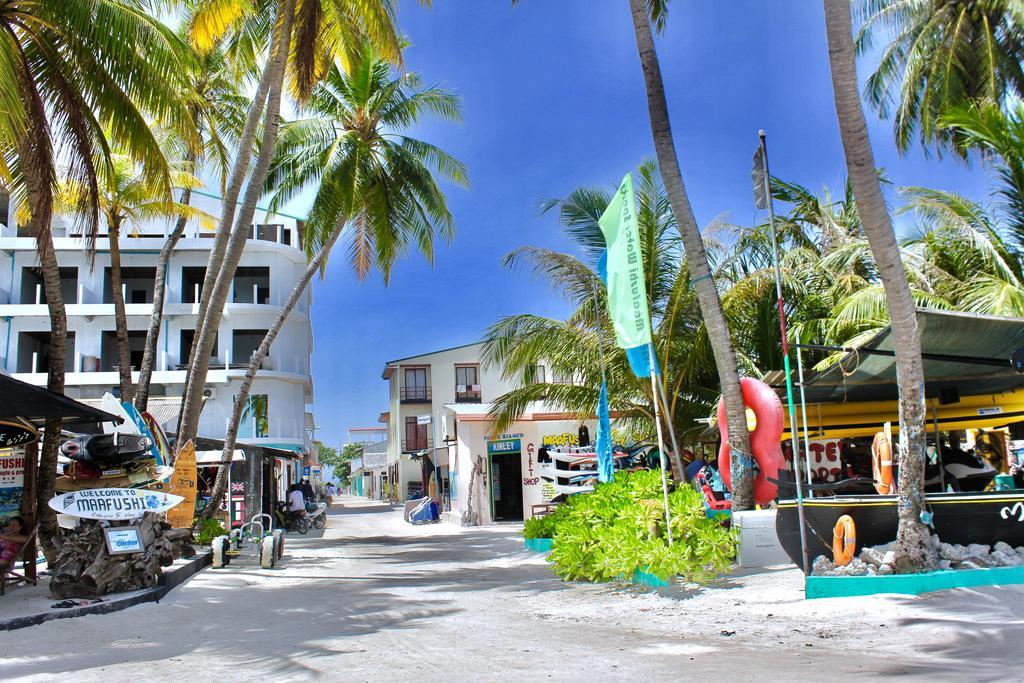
pixel 127 196
pixel 322 31
pixel 943 54
pixel 570 347
pixel 644 12
pixel 217 107
pixel 69 68
pixel 998 137
pixel 376 184
pixel 913 547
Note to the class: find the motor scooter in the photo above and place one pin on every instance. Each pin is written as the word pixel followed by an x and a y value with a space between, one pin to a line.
pixel 290 521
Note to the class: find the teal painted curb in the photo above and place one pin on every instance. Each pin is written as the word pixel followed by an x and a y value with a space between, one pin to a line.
pixel 641 578
pixel 910 584
pixel 538 545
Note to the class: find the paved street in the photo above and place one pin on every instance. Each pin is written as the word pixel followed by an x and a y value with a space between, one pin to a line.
pixel 372 598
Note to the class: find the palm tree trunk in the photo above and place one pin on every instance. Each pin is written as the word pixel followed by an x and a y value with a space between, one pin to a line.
pixel 46 474
pixel 156 317
pixel 124 359
pixel 697 260
pixel 209 323
pixel 242 395
pixel 914 551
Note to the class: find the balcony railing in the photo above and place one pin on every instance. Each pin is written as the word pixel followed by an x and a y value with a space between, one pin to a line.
pixel 467 396
pixel 414 445
pixel 415 395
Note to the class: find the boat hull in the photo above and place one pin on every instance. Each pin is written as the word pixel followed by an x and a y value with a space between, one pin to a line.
pixel 963 518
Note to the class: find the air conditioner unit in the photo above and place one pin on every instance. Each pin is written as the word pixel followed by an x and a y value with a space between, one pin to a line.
pixel 209 393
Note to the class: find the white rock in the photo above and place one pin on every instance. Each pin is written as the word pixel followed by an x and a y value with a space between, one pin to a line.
pixel 822 565
pixel 1003 559
pixel 1003 548
pixel 885 569
pixel 872 556
pixel 889 558
pixel 1020 550
pixel 978 550
pixel 972 563
pixel 945 564
pixel 951 552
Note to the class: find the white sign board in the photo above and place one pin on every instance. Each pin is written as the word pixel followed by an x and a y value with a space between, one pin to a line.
pixel 422 419
pixel 123 540
pixel 826 463
pixel 113 504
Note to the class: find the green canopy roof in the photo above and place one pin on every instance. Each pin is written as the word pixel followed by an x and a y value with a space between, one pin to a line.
pixel 964 354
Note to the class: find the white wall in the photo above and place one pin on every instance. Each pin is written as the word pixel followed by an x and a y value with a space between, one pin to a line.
pixel 472 443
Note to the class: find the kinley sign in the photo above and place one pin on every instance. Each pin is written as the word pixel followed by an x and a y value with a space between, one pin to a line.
pixel 113 504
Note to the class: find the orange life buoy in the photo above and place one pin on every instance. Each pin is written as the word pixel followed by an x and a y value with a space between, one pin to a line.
pixel 765 440
pixel 844 540
pixel 881 464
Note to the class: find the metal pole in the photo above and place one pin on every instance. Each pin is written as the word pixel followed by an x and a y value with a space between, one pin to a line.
pixel 661 443
pixel 785 351
pixel 803 411
pixel 600 355
pixel 672 430
pixel 437 465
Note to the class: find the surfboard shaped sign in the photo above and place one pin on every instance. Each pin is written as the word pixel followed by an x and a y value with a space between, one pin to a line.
pixel 113 504
pixel 14 434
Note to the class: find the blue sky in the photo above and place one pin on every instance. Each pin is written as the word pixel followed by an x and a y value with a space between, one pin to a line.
pixel 553 98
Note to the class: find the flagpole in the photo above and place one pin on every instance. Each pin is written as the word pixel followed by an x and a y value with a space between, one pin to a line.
pixel 803 411
pixel 661 442
pixel 671 430
pixel 604 386
pixel 794 437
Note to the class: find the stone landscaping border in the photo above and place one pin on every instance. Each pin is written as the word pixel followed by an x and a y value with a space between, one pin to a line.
pixel 538 545
pixel 910 584
pixel 168 581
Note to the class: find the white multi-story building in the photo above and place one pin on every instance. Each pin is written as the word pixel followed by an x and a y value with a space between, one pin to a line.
pixel 457 391
pixel 280 413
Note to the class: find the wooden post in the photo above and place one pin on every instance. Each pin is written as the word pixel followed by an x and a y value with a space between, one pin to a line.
pixel 28 505
pixel 253 483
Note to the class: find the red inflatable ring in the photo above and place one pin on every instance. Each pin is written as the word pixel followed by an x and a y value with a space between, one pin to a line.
pixel 765 440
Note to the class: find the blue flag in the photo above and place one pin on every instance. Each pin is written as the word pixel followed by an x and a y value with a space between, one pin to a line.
pixel 638 356
pixel 605 461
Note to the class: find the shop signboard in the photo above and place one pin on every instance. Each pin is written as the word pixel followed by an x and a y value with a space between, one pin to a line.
pixel 12 482
pixel 501 446
pixel 113 504
pixel 123 540
pixel 826 462
pixel 14 434
pixel 560 440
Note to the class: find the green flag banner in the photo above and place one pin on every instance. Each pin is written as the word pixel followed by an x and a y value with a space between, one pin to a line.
pixel 627 287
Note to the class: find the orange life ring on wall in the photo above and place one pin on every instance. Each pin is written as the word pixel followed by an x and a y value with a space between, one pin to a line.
pixel 765 440
pixel 844 540
pixel 881 464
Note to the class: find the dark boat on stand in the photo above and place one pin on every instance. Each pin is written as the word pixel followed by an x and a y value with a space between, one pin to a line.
pixel 973 367
pixel 962 518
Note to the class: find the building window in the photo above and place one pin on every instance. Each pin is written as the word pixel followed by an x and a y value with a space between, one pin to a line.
pixel 561 377
pixel 192 284
pixel 185 349
pixel 415 387
pixel 255 423
pixel 535 374
pixel 467 384
pixel 415 435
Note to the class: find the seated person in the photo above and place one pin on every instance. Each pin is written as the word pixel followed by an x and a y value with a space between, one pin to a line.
pixel 12 539
pixel 296 501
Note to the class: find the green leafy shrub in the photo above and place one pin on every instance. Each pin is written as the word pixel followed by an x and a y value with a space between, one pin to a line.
pixel 620 528
pixel 209 529
pixel 544 527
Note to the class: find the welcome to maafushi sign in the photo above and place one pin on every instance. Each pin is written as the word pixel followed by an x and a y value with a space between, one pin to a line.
pixel 113 504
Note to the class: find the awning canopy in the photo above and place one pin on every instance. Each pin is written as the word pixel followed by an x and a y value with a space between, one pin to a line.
pixel 963 355
pixel 22 400
pixel 206 458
